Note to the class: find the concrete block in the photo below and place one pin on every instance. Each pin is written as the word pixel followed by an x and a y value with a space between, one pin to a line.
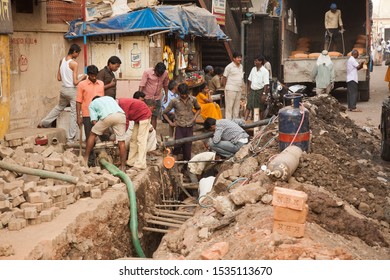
pixel 6 152
pixel 47 215
pixel 35 197
pixel 29 178
pixel 48 167
pixel 291 215
pixel 6 217
pixel 70 188
pixel 104 185
pixel 35 157
pixel 39 149
pixel 70 199
pixel 38 206
pixel 34 165
pixel 29 187
pixel 54 161
pixel 55 191
pixel 112 180
pixel 9 187
pixel 15 192
pixel 18 200
pixel 95 170
pixel 19 153
pixel 5 205
pixel 216 251
pixel 15 142
pixel 17 224
pixel 7 176
pixel 30 213
pixel 63 169
pixel 84 187
pixel 67 162
pixel 28 147
pixel 47 203
pixel 61 204
pixel 289 198
pixel 35 221
pixel 19 213
pixel 48 151
pixel 56 211
pixel 96 193
pixel 245 194
pixel 291 229
pixel 60 198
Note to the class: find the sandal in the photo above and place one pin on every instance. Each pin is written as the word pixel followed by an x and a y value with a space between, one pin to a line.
pixel 355 110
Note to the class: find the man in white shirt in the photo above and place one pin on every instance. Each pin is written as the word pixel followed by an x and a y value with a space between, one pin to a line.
pixel 258 82
pixel 352 81
pixel 232 80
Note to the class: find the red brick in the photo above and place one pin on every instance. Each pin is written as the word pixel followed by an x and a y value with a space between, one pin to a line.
pixel 291 229
pixel 291 215
pixel 216 251
pixel 289 198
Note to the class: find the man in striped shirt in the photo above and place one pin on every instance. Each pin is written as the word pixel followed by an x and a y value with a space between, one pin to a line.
pixel 228 137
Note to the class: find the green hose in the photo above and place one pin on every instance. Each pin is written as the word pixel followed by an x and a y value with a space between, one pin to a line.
pixel 133 204
pixel 38 172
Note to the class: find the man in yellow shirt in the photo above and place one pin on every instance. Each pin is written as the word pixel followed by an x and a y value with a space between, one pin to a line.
pixel 332 23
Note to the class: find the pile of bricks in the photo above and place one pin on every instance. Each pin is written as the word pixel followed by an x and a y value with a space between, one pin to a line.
pixel 29 200
pixel 290 211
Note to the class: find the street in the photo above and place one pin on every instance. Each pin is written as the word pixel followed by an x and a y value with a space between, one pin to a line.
pixel 372 109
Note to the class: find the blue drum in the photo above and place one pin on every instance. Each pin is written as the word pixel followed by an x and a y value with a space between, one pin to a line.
pixel 290 119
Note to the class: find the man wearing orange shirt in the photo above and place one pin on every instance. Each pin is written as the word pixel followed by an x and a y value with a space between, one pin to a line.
pixel 86 91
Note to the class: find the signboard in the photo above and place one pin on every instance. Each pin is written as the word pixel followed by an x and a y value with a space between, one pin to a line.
pixel 5 17
pixel 219 11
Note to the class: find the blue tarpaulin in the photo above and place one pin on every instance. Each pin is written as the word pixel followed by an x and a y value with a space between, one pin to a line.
pixel 184 20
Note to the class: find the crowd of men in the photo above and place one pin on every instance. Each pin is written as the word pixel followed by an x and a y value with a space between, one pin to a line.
pixel 94 104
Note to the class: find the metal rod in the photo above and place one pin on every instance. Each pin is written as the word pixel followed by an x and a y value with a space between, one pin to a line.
pixel 175 205
pixel 191 186
pixel 210 134
pixel 165 219
pixel 176 212
pixel 163 223
pixel 172 215
pixel 155 230
pixel 172 201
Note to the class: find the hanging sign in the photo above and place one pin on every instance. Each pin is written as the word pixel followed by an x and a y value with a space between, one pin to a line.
pixel 219 11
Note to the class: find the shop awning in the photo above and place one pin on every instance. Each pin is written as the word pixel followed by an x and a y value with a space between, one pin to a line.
pixel 184 20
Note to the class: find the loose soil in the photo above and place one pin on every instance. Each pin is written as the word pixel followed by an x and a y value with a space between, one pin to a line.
pixel 348 197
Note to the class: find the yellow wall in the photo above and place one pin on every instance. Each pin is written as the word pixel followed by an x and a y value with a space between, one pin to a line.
pixel 5 85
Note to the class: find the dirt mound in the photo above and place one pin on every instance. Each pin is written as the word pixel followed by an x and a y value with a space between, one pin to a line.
pixel 348 197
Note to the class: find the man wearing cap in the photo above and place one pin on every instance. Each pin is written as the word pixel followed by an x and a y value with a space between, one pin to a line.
pixel 323 74
pixel 332 23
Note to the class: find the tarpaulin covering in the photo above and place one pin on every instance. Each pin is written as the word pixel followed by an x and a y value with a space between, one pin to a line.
pixel 184 20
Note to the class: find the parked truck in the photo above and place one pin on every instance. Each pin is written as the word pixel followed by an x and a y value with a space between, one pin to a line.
pixel 303 33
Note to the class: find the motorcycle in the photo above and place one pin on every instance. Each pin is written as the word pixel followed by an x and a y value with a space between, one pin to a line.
pixel 275 98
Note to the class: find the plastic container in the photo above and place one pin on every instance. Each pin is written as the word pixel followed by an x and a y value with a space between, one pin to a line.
pixel 290 118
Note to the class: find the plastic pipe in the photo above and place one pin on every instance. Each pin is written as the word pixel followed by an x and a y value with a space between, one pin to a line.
pixel 38 172
pixel 133 204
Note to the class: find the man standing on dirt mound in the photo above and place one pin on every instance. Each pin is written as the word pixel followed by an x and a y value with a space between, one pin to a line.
pixel 332 22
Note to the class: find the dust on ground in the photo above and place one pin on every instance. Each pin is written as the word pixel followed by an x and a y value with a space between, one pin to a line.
pixel 348 197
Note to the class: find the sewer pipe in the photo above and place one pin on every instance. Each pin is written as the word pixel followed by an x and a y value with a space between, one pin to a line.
pixel 133 204
pixel 38 172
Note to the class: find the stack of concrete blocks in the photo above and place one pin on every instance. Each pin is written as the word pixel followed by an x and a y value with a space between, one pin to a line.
pixel 290 211
pixel 29 200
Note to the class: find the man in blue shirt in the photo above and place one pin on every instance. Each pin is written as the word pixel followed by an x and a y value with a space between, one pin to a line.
pixel 104 113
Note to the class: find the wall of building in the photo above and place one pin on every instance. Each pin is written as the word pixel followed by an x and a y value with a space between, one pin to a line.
pixel 36 48
pixel 4 85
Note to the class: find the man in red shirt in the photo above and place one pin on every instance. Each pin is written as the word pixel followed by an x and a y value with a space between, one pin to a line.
pixel 152 82
pixel 86 91
pixel 137 111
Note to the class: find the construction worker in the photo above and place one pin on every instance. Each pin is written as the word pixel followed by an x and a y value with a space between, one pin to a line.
pixel 333 22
